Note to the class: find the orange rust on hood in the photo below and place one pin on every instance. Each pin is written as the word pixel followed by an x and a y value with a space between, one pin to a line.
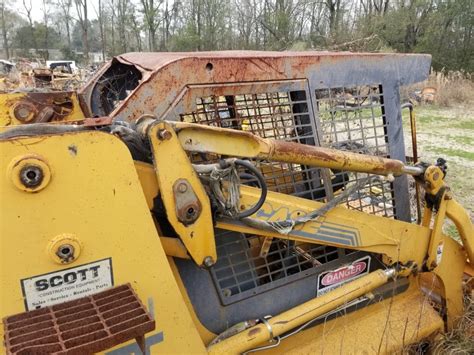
pixel 166 75
pixel 153 61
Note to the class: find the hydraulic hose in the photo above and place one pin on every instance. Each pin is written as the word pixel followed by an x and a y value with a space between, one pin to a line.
pixel 263 187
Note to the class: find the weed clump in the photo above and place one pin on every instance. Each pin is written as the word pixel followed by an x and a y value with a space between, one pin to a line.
pixel 461 339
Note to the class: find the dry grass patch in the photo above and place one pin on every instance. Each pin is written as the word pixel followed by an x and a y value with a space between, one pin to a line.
pixel 442 88
pixel 460 340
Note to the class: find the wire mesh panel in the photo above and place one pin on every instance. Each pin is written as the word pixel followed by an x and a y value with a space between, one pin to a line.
pixel 276 115
pixel 349 118
pixel 242 270
pixel 352 118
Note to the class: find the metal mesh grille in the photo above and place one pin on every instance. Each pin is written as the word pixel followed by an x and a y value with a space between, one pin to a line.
pixel 267 115
pixel 242 271
pixel 352 118
pixel 277 115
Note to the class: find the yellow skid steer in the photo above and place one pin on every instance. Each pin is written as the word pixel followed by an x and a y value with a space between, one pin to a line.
pixel 228 203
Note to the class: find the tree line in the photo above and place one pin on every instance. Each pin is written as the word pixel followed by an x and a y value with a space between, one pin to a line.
pixel 443 28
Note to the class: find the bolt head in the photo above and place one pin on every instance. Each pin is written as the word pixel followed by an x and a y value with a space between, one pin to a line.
pixel 24 112
pixel 65 252
pixel 31 176
pixel 208 261
pixel 191 213
pixel 164 134
pixel 182 187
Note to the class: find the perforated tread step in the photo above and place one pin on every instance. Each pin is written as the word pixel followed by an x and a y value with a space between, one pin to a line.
pixel 86 325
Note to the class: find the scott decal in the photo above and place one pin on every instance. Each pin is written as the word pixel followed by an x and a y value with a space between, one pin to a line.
pixel 67 284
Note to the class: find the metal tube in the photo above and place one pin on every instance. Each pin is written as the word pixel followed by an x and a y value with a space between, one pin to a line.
pixel 301 314
pixel 289 152
pixel 414 148
pixel 206 139
pixel 413 170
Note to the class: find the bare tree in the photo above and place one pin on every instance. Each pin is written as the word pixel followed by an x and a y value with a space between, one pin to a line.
pixel 122 22
pixel 166 27
pixel 196 23
pixel 334 8
pixel 112 25
pixel 81 9
pixel 45 9
pixel 99 11
pixel 28 8
pixel 315 31
pixel 65 11
pixel 379 7
pixel 4 28
pixel 245 21
pixel 136 28
pixel 150 14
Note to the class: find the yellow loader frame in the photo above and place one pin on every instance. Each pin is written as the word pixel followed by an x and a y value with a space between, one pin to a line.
pixel 94 196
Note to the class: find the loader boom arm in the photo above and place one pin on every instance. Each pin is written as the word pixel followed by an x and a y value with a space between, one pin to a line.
pixel 412 247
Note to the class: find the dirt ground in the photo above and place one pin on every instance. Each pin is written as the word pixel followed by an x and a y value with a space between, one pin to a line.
pixel 447 133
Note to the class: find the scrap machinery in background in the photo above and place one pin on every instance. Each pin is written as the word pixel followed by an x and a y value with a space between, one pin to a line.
pixel 225 202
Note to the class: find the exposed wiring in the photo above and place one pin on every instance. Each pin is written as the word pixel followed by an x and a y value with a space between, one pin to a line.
pixel 287 225
pixel 228 202
pixel 223 180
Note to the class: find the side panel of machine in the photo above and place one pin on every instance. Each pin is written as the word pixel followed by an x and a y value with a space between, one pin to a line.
pixel 90 198
pixel 35 107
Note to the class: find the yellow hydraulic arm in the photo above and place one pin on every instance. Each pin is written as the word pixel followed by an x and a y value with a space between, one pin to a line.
pixel 206 139
pixel 409 246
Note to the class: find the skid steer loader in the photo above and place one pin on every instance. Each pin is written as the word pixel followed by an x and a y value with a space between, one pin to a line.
pixel 226 203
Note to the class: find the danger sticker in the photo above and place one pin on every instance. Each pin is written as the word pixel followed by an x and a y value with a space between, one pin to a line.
pixel 68 284
pixel 329 280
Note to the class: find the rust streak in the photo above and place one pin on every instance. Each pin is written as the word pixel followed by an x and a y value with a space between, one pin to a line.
pixel 98 121
pixel 291 150
pixel 254 332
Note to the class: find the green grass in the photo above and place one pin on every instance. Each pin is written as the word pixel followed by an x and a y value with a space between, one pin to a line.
pixel 447 133
pixel 436 117
pixel 450 229
pixel 431 119
pixel 451 152
pixel 466 124
pixel 463 139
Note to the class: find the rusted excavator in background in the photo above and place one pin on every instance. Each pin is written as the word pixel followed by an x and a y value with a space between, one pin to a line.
pixel 225 203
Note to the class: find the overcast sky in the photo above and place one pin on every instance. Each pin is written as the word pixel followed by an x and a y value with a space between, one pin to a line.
pixel 37 6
